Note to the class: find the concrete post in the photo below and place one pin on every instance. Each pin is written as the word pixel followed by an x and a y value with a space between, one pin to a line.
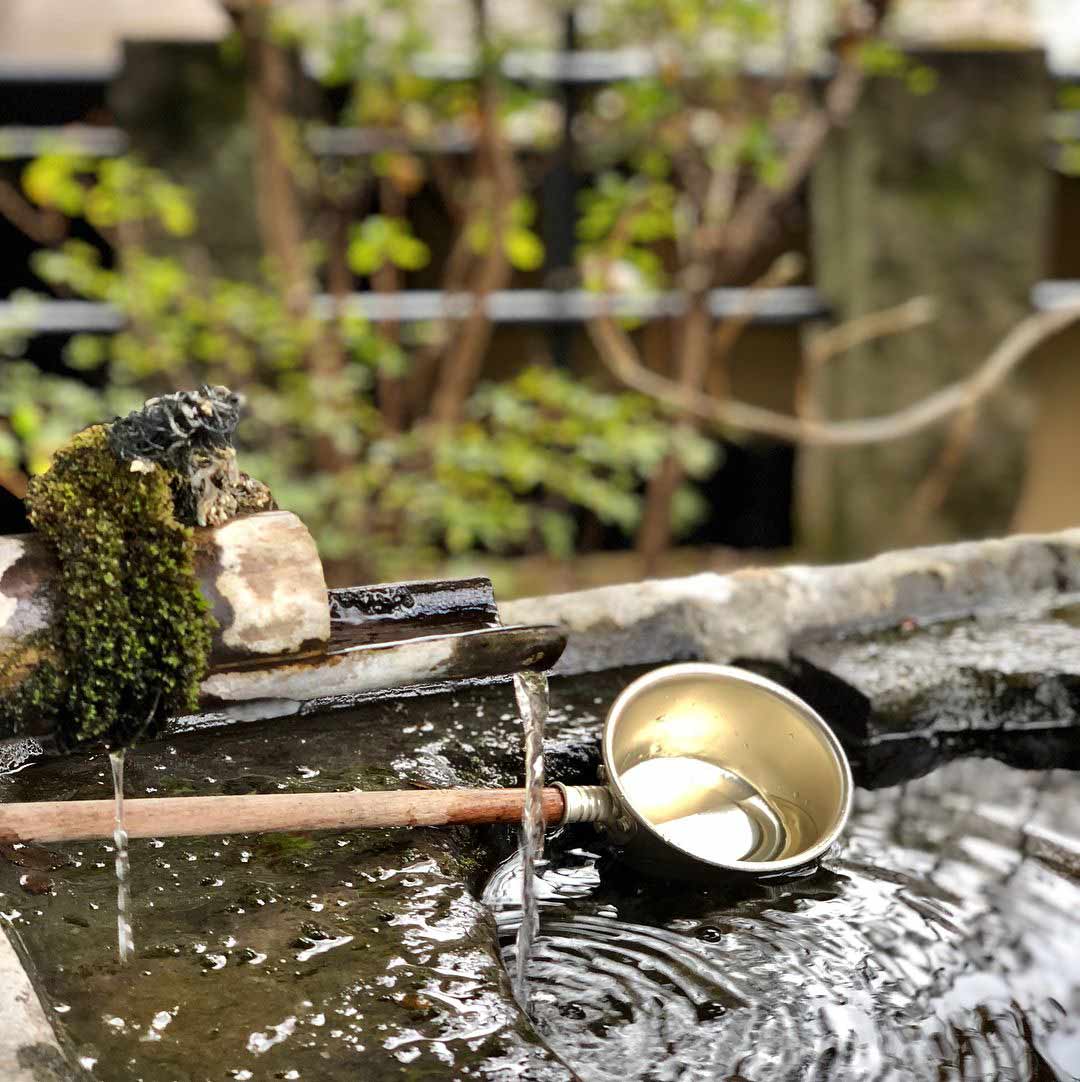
pixel 943 194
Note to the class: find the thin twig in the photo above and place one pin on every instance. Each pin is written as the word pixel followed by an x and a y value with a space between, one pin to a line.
pixel 618 354
pixel 855 332
pixel 934 487
pixel 830 343
pixel 42 226
pixel 744 232
pixel 15 481
pixel 782 271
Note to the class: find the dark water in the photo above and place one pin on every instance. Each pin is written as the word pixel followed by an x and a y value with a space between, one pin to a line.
pixel 929 947
pixel 311 956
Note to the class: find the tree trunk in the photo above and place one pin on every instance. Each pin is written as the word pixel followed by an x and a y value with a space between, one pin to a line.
pixel 496 173
pixel 655 532
pixel 278 206
pixel 281 224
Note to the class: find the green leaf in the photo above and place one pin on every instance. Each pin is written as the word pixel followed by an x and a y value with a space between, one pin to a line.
pixel 478 235
pixel 52 180
pixel 25 420
pixel 523 248
pixel 10 449
pixel 364 256
pixel 922 80
pixel 407 252
pixel 86 352
pixel 175 210
pixel 557 532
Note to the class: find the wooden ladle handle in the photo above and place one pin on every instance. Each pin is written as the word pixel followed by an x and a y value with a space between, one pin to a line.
pixel 162 817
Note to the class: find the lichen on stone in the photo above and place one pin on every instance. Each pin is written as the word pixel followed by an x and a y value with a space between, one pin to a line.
pixel 190 434
pixel 131 638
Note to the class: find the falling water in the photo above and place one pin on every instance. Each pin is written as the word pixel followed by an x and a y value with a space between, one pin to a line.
pixel 125 941
pixel 531 690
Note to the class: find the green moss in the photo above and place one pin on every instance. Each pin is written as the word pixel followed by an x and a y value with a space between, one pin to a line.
pixel 133 631
pixel 275 848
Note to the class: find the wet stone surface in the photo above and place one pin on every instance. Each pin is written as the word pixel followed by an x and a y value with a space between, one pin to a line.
pixel 309 956
pixel 994 672
pixel 371 954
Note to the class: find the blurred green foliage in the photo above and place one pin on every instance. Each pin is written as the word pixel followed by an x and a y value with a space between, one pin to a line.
pixel 1064 130
pixel 669 155
pixel 532 453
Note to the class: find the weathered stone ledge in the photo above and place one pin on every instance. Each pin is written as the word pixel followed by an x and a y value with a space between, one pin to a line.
pixel 762 613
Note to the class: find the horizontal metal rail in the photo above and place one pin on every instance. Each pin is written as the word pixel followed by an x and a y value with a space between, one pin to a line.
pixel 60 317
pixel 27 141
pixel 1055 293
pixel 580 66
pixel 23 141
pixel 783 306
pixel 791 304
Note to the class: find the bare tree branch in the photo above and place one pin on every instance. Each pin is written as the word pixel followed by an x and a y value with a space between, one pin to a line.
pixel 618 354
pixel 41 226
pixel 748 224
pixel 277 205
pixel 934 487
pixel 866 328
pixel 830 343
pixel 462 362
pixel 15 481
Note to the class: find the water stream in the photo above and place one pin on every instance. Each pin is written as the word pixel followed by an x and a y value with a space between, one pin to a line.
pixel 124 937
pixel 531 693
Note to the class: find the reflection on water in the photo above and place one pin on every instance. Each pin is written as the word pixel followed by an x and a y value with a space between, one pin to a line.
pixel 366 954
pixel 928 947
pixel 358 954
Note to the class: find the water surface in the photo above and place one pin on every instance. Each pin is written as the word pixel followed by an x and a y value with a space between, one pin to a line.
pixel 930 941
pixel 929 946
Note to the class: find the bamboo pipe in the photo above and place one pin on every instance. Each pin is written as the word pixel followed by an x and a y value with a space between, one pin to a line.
pixel 165 817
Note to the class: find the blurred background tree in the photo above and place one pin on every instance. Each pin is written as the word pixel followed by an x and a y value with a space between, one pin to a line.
pixel 404 200
pixel 382 438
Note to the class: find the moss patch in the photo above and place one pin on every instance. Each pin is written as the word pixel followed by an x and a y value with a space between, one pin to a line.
pixel 133 631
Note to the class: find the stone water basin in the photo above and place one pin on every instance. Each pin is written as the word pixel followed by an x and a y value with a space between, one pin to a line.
pixel 291 956
pixel 941 939
pixel 934 943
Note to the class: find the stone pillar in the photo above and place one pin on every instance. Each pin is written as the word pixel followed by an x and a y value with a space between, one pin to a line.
pixel 943 194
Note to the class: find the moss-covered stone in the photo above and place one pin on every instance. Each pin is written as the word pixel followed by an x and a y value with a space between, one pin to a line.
pixel 133 631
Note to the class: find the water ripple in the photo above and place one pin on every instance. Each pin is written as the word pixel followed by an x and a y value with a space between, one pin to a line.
pixel 928 948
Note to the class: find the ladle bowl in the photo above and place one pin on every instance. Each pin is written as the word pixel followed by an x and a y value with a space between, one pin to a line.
pixel 714 769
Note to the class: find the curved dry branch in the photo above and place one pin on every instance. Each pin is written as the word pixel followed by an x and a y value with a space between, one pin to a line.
pixel 852 333
pixel 618 354
pixel 823 346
